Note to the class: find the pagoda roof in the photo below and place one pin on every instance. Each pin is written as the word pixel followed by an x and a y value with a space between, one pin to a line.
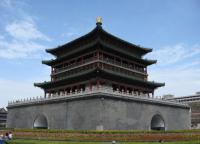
pixel 145 62
pixel 101 73
pixel 70 79
pixel 131 80
pixel 98 33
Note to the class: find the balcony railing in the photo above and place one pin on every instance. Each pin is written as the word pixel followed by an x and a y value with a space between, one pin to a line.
pixel 122 71
pixel 74 65
pixel 93 59
pixel 75 71
pixel 104 64
pixel 103 90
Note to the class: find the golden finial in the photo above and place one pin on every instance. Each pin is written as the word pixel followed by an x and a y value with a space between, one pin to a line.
pixel 99 20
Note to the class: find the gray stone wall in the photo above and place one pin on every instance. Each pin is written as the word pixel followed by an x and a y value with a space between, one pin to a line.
pixel 99 113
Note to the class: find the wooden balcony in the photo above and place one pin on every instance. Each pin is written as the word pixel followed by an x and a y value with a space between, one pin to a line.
pixel 101 64
pixel 101 59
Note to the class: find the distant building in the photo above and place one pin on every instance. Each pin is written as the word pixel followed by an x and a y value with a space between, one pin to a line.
pixel 167 96
pixel 3 117
pixel 194 102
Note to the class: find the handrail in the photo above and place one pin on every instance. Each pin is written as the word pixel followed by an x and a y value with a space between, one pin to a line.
pixel 96 59
pixel 95 90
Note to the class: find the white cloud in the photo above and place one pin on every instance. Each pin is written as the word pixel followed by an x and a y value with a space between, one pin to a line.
pixel 172 54
pixel 179 68
pixel 178 82
pixel 13 5
pixel 6 3
pixel 25 30
pixel 22 37
pixel 18 49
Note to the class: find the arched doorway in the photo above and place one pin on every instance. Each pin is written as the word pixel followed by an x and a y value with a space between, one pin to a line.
pixel 157 123
pixel 40 122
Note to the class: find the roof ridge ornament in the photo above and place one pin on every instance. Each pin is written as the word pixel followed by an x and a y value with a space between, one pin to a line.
pixel 98 21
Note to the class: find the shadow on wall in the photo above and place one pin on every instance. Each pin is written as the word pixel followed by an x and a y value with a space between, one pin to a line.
pixel 40 122
pixel 157 123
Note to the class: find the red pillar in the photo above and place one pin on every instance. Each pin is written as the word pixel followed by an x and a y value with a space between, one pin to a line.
pixel 82 60
pixel 125 89
pixel 100 55
pixel 98 83
pixel 97 55
pixel 90 86
pixel 114 60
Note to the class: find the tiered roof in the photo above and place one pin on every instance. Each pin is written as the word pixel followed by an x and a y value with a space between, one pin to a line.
pixel 98 36
pixel 106 41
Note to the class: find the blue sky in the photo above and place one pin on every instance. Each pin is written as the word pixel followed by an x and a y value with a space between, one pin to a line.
pixel 27 28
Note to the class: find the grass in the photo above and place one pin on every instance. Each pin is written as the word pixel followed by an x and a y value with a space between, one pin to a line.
pixel 20 141
pixel 37 136
pixel 104 131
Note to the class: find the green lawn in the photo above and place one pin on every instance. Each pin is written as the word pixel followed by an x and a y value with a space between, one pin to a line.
pixel 62 142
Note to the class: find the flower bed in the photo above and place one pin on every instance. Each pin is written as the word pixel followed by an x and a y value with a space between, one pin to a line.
pixel 106 135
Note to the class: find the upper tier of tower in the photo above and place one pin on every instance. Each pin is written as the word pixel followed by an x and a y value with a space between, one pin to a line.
pixel 98 37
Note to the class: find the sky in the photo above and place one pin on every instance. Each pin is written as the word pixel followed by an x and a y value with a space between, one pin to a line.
pixel 27 28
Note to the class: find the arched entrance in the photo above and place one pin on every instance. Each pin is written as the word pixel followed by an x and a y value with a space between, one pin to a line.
pixel 40 122
pixel 157 123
